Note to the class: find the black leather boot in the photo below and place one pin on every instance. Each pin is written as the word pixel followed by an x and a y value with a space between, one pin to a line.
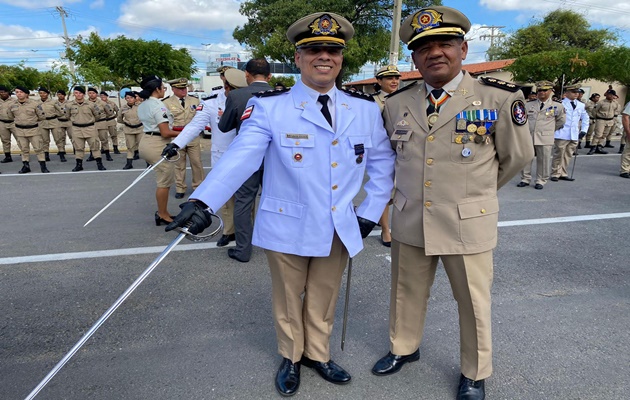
pixel 107 156
pixel 592 150
pixel 91 157
pixel 46 156
pixel 78 167
pixel 579 145
pixel 600 150
pixel 136 155
pixel 99 164
pixel 588 144
pixel 116 149
pixel 62 156
pixel 129 164
pixel 621 148
pixel 610 146
pixel 42 166
pixel 7 158
pixel 26 168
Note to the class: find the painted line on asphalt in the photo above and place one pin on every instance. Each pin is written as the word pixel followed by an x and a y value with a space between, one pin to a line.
pixel 213 245
pixel 108 171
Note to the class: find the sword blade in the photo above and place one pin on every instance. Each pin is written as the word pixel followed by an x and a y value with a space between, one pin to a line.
pixel 107 314
pixel 345 307
pixel 142 175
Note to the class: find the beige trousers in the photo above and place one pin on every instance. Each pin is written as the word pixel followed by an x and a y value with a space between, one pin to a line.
pixel 132 141
pixel 602 129
pixel 543 165
pixel 227 214
pixel 192 152
pixel 83 135
pixel 28 138
pixel 6 130
pixel 562 152
pixel 625 161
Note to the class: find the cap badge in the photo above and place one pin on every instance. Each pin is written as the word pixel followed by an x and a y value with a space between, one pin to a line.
pixel 426 19
pixel 325 25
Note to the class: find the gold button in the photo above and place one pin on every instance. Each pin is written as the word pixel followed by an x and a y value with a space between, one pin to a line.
pixel 429 161
pixel 335 187
pixel 431 138
pixel 427 183
pixel 399 136
pixel 334 208
pixel 427 204
pixel 334 165
pixel 335 142
pixel 483 210
pixel 280 210
pixel 297 143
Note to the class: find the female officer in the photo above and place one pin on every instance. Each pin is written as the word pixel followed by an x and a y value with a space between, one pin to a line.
pixel 157 122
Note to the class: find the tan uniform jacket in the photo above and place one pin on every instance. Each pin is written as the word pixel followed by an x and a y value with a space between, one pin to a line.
pixel 63 113
pixel 590 109
pixel 4 110
pixel 544 123
pixel 112 118
pixel 105 111
pixel 129 117
pixel 181 115
pixel 26 116
pixel 380 99
pixel 83 114
pixel 606 110
pixel 51 114
pixel 445 202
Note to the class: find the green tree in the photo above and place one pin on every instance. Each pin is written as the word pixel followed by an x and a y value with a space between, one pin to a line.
pixel 286 80
pixel 54 79
pixel 268 20
pixel 568 66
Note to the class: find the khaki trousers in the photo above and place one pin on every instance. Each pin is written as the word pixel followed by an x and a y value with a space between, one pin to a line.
pixel 470 277
pixel 543 165
pixel 83 135
pixel 46 132
pixel 66 130
pixel 113 133
pixel 304 324
pixel 103 139
pixel 603 128
pixel 27 138
pixel 625 161
pixel 591 130
pixel 192 151
pixel 562 152
pixel 132 140
pixel 227 214
pixel 6 130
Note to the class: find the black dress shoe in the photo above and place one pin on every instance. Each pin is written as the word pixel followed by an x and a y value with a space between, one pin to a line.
pixel 330 371
pixel 522 184
pixel 538 186
pixel 159 220
pixel 225 240
pixel 384 243
pixel 625 175
pixel 232 254
pixel 179 195
pixel 288 378
pixel 566 178
pixel 471 390
pixel 554 179
pixel 391 363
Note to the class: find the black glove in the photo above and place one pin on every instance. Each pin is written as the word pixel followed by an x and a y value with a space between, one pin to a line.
pixel 170 150
pixel 581 135
pixel 194 215
pixel 365 226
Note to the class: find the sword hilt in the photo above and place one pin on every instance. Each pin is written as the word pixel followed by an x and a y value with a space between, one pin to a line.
pixel 202 238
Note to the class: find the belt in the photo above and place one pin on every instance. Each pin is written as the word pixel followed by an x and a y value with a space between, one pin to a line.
pixel 133 126
pixel 26 126
pixel 605 119
pixel 153 133
pixel 109 119
pixel 82 125
pixel 50 118
pixel 63 120
pixel 6 121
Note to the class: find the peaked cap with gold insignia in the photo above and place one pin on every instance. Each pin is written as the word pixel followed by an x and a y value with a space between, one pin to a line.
pixel 433 21
pixel 323 29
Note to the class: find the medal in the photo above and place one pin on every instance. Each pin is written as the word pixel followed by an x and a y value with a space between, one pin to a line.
pixel 465 139
pixel 478 139
pixel 472 128
pixel 433 118
pixel 466 152
pixel 461 125
pixel 297 157
pixel 458 139
pixel 481 130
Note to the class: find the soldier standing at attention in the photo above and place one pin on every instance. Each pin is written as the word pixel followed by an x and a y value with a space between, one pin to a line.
pixel 7 126
pixel 457 140
pixel 605 112
pixel 101 123
pixel 590 109
pixel 50 125
pixel 132 127
pixel 544 117
pixel 26 114
pixel 65 126
pixel 183 107
pixel 83 114
pixel 112 126
pixel 625 157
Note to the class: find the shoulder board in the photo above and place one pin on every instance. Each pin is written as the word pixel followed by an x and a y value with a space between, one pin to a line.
pixel 272 92
pixel 509 86
pixel 165 98
pixel 402 90
pixel 217 88
pixel 376 93
pixel 531 101
pixel 557 101
pixel 358 94
pixel 213 96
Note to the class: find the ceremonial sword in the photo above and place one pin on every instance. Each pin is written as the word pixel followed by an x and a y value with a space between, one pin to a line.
pixel 142 175
pixel 183 233
pixel 345 307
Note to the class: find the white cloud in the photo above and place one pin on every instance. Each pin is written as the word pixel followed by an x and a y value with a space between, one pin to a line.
pixel 97 4
pixel 16 36
pixel 188 15
pixel 477 47
pixel 38 4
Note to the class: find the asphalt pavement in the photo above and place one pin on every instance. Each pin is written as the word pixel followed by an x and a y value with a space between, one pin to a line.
pixel 200 325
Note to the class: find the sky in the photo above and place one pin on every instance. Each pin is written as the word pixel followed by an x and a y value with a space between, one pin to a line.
pixel 32 30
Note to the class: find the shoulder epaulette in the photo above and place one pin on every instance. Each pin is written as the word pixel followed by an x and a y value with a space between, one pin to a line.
pixel 165 98
pixel 529 101
pixel 212 96
pixel 358 94
pixel 217 88
pixel 509 86
pixel 557 101
pixel 376 93
pixel 272 92
pixel 401 90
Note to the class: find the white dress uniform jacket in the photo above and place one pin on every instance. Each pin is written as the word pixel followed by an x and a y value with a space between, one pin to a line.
pixel 312 172
pixel 571 129
pixel 207 114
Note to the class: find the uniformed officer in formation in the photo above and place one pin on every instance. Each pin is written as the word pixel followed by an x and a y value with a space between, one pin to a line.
pixel 65 125
pixel 317 142
pixel 590 109
pixel 112 126
pixel 26 114
pixel 183 107
pixel 605 112
pixel 84 114
pixel 624 170
pixel 132 127
pixel 544 117
pixel 7 126
pixel 101 123
pixel 50 126
pixel 457 140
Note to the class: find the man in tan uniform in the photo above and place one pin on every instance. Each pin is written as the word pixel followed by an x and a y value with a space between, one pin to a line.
pixel 7 126
pixel 83 114
pixel 183 108
pixel 590 110
pixel 132 126
pixel 101 124
pixel 51 125
pixel 605 112
pixel 26 114
pixel 624 171
pixel 450 161
pixel 544 117
pixel 65 126
pixel 112 125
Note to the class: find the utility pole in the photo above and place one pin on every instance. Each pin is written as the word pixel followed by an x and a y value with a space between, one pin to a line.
pixel 492 36
pixel 63 14
pixel 395 40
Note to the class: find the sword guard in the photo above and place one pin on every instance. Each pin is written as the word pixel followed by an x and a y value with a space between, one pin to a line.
pixel 202 238
pixel 173 159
